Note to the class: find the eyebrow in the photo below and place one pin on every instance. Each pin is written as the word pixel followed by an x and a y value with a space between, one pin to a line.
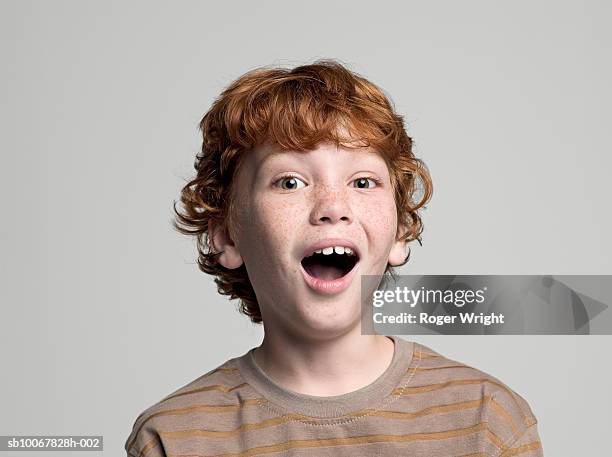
pixel 271 155
pixel 294 154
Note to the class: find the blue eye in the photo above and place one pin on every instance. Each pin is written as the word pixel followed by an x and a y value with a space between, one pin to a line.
pixel 290 183
pixel 365 183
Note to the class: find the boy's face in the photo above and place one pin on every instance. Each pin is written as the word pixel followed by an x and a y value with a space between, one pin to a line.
pixel 289 204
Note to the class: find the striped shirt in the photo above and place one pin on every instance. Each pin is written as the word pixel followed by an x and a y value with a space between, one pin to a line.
pixel 423 405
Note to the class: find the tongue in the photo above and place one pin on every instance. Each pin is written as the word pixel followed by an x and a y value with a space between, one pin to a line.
pixel 326 272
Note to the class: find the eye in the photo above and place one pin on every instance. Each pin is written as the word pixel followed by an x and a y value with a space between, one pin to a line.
pixel 290 183
pixel 365 183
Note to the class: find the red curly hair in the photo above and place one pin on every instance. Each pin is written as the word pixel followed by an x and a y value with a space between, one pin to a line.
pixel 295 109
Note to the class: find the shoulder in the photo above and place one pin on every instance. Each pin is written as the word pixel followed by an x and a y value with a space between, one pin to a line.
pixel 494 406
pixel 219 389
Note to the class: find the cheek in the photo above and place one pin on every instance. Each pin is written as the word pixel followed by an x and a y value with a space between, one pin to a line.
pixel 270 226
pixel 380 214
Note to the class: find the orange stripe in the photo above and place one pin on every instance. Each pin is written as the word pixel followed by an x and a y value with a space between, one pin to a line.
pixel 150 445
pixel 420 389
pixel 460 382
pixel 368 439
pixel 399 391
pixel 429 356
pixel 450 407
pixel 503 413
pixel 437 386
pixel 195 408
pixel 441 367
pixel 246 427
pixel 521 449
pixel 291 417
pixel 218 369
pixel 496 440
pixel 219 387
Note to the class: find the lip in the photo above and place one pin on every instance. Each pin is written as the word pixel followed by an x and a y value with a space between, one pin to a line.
pixel 335 286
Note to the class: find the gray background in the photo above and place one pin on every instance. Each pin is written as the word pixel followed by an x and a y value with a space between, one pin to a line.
pixel 104 310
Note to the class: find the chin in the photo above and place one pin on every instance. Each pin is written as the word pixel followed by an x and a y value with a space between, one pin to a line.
pixel 325 321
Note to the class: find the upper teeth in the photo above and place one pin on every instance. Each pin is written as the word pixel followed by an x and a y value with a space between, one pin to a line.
pixel 336 249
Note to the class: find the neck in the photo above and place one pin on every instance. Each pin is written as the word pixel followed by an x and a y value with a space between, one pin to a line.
pixel 330 367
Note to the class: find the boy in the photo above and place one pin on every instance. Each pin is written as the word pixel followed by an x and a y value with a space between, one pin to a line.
pixel 305 181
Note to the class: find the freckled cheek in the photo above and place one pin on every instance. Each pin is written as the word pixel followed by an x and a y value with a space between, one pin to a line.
pixel 273 227
pixel 380 216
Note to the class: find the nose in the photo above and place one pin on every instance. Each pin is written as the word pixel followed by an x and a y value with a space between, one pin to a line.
pixel 331 206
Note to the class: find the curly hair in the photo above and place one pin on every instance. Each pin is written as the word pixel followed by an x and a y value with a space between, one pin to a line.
pixel 295 109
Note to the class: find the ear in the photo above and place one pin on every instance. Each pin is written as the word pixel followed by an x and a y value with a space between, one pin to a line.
pixel 398 253
pixel 220 241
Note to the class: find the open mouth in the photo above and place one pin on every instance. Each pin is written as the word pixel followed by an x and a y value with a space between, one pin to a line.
pixel 330 263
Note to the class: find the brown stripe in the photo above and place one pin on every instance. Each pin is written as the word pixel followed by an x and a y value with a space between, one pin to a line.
pixel 496 440
pixel 287 418
pixel 450 407
pixel 290 417
pixel 196 408
pixel 223 370
pixel 502 412
pixel 437 386
pixel 150 445
pixel 246 427
pixel 441 367
pixel 218 369
pixel 426 355
pixel 524 448
pixel 368 439
pixel 219 387
pixel 459 382
pixel 345 441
